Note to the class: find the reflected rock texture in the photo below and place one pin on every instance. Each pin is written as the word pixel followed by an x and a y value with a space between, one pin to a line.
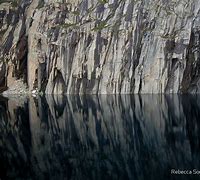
pixel 99 137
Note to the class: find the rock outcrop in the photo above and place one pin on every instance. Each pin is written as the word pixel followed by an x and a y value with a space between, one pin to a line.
pixel 101 46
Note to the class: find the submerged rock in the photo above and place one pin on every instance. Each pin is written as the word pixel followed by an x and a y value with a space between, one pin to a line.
pixel 102 47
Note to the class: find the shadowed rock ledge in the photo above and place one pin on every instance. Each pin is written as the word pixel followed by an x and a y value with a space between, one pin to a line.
pixel 100 46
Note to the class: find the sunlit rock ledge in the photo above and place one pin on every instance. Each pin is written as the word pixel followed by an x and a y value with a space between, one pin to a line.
pixel 100 46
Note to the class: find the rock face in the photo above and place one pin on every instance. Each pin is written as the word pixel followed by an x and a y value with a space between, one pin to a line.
pixel 101 46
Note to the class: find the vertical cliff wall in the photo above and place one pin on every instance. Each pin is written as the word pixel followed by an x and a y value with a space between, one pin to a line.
pixel 101 46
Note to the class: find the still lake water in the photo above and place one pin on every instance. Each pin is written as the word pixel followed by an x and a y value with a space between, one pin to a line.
pixel 99 137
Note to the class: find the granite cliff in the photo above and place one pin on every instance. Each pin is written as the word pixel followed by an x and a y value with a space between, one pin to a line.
pixel 100 46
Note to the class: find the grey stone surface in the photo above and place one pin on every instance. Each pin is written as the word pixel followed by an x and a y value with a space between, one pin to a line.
pixel 102 46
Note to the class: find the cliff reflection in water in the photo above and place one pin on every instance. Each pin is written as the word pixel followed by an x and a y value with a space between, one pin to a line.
pixel 105 137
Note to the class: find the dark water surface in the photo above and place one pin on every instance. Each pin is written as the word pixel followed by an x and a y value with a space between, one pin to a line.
pixel 104 137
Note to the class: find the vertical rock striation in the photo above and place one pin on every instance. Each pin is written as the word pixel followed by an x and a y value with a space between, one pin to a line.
pixel 101 46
